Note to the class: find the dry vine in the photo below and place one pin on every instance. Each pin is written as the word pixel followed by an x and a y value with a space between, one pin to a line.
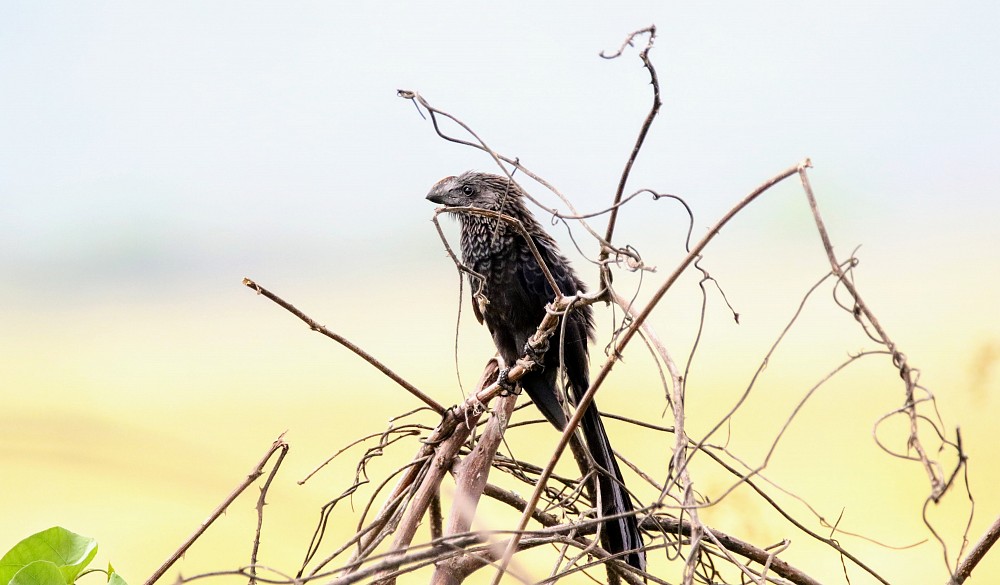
pixel 467 444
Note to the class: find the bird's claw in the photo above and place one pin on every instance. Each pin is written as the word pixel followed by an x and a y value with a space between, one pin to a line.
pixel 506 386
pixel 536 354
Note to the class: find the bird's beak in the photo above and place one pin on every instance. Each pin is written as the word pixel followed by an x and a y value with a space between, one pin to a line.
pixel 439 192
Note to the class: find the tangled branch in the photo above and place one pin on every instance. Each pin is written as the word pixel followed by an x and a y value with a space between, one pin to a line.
pixel 561 513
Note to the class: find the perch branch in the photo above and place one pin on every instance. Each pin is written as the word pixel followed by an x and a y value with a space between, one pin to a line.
pixel 471 475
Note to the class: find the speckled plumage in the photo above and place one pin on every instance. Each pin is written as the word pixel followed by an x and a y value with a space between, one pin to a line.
pixel 517 292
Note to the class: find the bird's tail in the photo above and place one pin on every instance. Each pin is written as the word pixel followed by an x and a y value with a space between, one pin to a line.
pixel 618 534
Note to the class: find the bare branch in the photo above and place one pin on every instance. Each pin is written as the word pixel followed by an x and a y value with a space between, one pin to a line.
pixel 346 343
pixel 568 507
pixel 643 131
pixel 445 450
pixel 898 359
pixel 257 471
pixel 471 476
pixel 964 569
pixel 260 512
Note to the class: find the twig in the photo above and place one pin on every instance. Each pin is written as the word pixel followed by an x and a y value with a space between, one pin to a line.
pixel 910 376
pixel 679 465
pixel 898 359
pixel 257 471
pixel 260 513
pixel 643 131
pixel 404 432
pixel 346 343
pixel 409 473
pixel 976 554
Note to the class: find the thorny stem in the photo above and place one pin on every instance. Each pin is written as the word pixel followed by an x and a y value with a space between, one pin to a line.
pixel 257 471
pixel 261 502
pixel 643 131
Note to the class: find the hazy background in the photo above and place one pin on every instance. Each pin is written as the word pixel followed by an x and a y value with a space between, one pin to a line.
pixel 154 154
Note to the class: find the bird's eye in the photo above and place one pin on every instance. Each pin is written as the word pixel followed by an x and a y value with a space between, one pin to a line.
pixel 467 190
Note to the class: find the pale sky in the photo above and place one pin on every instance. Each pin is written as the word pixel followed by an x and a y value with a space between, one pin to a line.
pixel 157 136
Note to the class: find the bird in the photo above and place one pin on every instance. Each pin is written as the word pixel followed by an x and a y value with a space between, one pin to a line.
pixel 510 294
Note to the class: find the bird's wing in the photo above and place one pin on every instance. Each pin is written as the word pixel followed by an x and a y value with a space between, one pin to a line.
pixel 578 327
pixel 533 278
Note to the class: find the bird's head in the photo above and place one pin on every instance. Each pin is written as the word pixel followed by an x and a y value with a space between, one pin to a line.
pixel 473 189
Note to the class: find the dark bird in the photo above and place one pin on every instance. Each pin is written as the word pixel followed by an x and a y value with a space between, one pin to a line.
pixel 516 292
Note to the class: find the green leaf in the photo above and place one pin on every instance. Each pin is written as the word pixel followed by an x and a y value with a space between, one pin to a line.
pixel 68 551
pixel 39 573
pixel 113 577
